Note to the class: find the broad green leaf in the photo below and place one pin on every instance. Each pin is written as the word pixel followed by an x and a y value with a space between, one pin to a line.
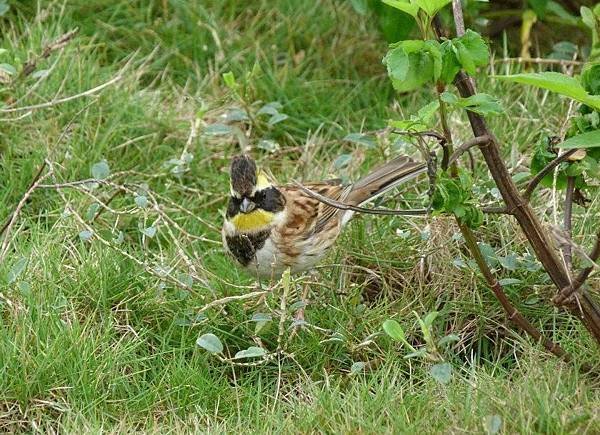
pixel 276 119
pixel 430 317
pixel 591 139
pixel 210 342
pixel 17 269
pixel 482 104
pixel 441 372
pixel 342 161
pixel 448 339
pixel 471 51
pixel 431 7
pixel 587 16
pixel 556 82
pixel 100 170
pixel 412 63
pixel 450 63
pixel 251 352
pixel 404 6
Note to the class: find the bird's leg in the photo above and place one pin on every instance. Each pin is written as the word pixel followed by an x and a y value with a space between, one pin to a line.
pixel 299 316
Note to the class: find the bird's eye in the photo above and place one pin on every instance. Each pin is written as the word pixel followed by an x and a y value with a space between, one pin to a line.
pixel 259 196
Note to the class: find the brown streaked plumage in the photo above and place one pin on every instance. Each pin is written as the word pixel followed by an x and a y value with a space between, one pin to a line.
pixel 269 228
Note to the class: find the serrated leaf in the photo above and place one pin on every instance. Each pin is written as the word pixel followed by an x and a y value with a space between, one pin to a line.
pixel 471 51
pixel 357 367
pixel 441 372
pixel 404 6
pixel 556 82
pixel 210 342
pixel 412 63
pixel 100 170
pixel 251 352
pixel 590 139
pixel 431 7
pixel 17 269
pixel 85 235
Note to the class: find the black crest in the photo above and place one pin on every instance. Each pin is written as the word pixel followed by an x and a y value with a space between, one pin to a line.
pixel 243 175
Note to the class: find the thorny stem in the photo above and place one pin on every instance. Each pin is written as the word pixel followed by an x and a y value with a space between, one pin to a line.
pixel 584 306
pixel 535 181
pixel 513 314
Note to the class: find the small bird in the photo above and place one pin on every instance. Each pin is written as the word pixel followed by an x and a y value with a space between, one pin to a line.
pixel 269 228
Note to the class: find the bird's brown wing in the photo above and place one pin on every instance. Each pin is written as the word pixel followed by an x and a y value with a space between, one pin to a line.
pixel 306 215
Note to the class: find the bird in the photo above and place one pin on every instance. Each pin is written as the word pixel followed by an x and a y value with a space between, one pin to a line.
pixel 269 228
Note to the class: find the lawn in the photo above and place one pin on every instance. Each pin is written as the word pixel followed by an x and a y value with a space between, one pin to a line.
pixel 127 127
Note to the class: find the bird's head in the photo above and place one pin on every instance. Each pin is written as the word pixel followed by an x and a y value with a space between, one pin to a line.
pixel 254 200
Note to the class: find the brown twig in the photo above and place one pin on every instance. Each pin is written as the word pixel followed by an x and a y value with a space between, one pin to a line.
pixel 463 148
pixel 585 308
pixel 568 225
pixel 377 211
pixel 59 43
pixel 566 293
pixel 6 229
pixel 531 186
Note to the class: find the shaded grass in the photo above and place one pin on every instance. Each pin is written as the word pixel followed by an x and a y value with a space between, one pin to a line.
pixel 95 342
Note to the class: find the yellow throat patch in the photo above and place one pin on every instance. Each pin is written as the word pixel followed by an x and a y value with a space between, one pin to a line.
pixel 255 220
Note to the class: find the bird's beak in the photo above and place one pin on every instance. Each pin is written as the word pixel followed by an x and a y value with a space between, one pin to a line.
pixel 247 206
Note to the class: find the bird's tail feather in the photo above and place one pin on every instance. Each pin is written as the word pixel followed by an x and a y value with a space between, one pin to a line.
pixel 383 179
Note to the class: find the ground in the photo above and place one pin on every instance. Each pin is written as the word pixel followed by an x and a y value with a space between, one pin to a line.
pixel 105 283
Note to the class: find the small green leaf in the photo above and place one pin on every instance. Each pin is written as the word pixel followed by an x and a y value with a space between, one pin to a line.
pixel 271 108
pixel 141 201
pixel 218 130
pixel 587 16
pixel 85 235
pixel 277 118
pixel 17 269
pixel 360 6
pixel 471 51
pixel 100 170
pixel 8 69
pixel 357 367
pixel 591 139
pixel 360 139
pixel 24 288
pixel 394 330
pixel 268 145
pixel 251 352
pixel 210 342
pixel 448 339
pixel 150 231
pixel 229 80
pixel 441 372
pixel 342 161
pixel 493 424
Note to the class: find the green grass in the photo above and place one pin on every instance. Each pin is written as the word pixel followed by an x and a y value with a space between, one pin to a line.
pixel 92 339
